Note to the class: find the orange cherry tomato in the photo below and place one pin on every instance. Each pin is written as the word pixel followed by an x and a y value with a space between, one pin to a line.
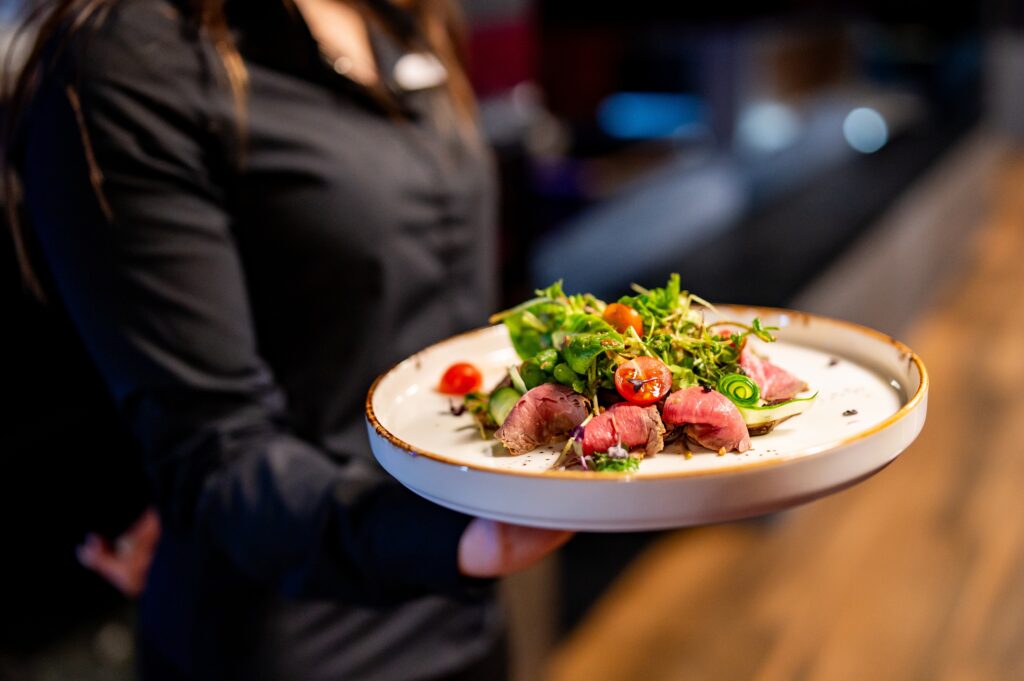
pixel 621 317
pixel 643 380
pixel 460 378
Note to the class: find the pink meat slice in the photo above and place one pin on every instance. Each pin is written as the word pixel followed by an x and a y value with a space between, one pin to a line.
pixel 710 418
pixel 628 424
pixel 776 384
pixel 544 415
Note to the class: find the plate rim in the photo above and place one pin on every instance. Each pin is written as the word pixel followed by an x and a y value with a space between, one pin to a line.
pixel 909 407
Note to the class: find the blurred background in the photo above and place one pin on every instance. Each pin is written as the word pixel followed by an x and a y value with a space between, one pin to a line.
pixel 857 159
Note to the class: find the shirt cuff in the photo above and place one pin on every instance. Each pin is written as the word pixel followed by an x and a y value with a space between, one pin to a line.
pixel 415 542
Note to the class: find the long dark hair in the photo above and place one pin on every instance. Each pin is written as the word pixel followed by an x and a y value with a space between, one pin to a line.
pixel 437 21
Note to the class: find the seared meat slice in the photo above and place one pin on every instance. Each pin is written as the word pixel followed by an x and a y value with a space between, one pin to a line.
pixel 776 384
pixel 710 419
pixel 628 424
pixel 542 416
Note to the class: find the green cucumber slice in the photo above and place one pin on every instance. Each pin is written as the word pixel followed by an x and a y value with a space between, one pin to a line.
pixel 501 402
pixel 760 416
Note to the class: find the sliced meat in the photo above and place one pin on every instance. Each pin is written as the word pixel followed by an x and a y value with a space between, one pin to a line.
pixel 542 416
pixel 710 419
pixel 776 384
pixel 628 424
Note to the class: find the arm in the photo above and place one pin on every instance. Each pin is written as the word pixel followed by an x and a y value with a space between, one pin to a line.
pixel 145 262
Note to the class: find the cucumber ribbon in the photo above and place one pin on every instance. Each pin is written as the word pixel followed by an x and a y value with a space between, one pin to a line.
pixel 740 389
pixel 744 393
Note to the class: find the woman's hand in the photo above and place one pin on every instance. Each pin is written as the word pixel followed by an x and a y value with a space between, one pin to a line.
pixel 489 548
pixel 125 564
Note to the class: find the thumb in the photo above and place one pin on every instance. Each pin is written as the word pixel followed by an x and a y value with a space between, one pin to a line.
pixel 491 549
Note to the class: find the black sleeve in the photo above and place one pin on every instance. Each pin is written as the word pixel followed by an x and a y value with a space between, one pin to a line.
pixel 132 224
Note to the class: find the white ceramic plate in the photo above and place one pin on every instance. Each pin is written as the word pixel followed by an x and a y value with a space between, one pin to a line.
pixel 871 405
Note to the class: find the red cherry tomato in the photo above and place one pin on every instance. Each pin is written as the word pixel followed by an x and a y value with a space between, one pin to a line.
pixel 726 334
pixel 460 378
pixel 621 317
pixel 643 380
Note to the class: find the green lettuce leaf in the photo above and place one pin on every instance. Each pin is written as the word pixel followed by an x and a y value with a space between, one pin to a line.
pixel 587 337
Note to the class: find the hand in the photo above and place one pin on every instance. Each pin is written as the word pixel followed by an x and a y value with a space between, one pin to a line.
pixel 125 564
pixel 489 548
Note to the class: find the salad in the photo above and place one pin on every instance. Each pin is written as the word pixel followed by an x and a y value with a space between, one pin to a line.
pixel 612 383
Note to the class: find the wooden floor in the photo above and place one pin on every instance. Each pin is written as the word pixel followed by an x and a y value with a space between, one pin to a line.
pixel 916 574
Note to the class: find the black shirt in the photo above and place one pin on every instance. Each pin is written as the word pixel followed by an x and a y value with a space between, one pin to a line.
pixel 239 293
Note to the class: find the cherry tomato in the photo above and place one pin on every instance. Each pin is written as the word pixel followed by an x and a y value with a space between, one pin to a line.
pixel 726 334
pixel 643 380
pixel 460 378
pixel 622 317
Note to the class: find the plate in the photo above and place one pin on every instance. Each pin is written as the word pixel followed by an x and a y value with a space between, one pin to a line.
pixel 872 401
